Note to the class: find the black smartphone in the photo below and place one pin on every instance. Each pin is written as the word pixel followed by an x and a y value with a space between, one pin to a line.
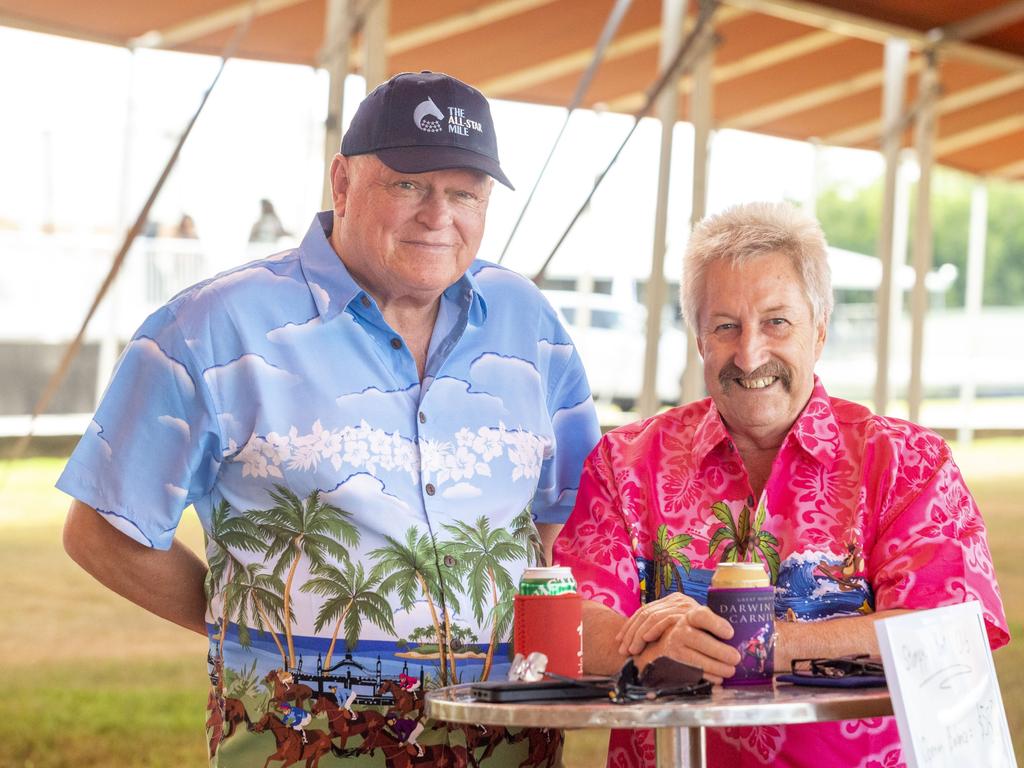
pixel 542 690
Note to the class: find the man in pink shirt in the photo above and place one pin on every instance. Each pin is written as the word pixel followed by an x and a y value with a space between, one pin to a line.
pixel 855 516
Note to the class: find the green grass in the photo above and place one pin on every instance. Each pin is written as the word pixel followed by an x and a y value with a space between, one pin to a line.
pixel 93 682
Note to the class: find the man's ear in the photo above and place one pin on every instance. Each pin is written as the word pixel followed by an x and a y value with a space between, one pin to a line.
pixel 821 334
pixel 341 178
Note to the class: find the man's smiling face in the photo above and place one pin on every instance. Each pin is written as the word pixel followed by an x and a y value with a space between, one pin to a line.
pixel 759 342
pixel 407 234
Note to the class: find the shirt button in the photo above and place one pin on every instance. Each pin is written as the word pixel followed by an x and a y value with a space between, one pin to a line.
pixel 396 343
pixel 430 489
pixel 423 418
pixel 365 301
pixel 449 561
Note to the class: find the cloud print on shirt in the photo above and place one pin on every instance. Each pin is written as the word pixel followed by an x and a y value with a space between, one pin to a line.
pixel 177 424
pixel 294 333
pixel 516 383
pixel 552 356
pixel 258 277
pixel 385 409
pixel 461 491
pixel 320 293
pixel 365 493
pixel 145 347
pixel 448 389
pixel 249 367
pixel 96 430
pixel 492 276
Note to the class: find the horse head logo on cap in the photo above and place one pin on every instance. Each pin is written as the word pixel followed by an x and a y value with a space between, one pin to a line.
pixel 428 117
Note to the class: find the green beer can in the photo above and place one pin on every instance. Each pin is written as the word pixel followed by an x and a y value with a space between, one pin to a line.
pixel 555 580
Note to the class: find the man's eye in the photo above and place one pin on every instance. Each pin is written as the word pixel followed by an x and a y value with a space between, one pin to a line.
pixel 405 185
pixel 725 327
pixel 778 321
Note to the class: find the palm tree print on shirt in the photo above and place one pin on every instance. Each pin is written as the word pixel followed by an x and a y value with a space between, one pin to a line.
pixel 480 551
pixel 743 539
pixel 350 599
pixel 409 568
pixel 668 554
pixel 229 532
pixel 311 529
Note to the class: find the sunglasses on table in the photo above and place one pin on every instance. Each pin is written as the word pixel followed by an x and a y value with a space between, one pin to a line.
pixel 859 665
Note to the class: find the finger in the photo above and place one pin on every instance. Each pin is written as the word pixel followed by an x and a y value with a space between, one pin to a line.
pixel 648 632
pixel 704 618
pixel 638 623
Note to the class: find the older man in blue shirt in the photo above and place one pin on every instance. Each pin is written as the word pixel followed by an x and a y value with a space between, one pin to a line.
pixel 378 433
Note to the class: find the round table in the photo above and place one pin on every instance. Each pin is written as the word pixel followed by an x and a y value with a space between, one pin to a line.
pixel 679 723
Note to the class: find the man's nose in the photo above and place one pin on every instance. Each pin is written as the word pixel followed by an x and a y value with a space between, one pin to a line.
pixel 751 350
pixel 435 212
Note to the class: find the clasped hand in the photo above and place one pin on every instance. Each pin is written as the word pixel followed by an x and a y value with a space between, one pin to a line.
pixel 679 627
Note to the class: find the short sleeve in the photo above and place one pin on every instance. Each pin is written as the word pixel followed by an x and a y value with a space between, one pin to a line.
pixel 153 446
pixel 935 553
pixel 595 541
pixel 575 429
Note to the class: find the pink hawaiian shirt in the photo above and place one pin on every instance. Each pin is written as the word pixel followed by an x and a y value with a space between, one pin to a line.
pixel 861 513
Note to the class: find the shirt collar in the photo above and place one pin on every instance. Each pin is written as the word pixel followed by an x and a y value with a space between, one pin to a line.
pixel 709 434
pixel 815 429
pixel 333 287
pixel 328 279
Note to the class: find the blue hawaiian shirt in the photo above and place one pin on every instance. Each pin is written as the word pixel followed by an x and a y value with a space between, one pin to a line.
pixel 360 524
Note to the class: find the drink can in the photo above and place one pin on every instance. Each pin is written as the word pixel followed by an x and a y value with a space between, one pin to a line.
pixel 548 619
pixel 742 594
pixel 547 581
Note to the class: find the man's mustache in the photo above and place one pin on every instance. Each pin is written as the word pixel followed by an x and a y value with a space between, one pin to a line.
pixel 773 368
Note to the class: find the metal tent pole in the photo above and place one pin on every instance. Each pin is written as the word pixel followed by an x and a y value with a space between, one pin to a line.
pixel 924 139
pixel 700 115
pixel 375 43
pixel 896 56
pixel 334 58
pixel 673 14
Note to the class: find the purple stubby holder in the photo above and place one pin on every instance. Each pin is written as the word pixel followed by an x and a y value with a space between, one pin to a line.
pixel 751 611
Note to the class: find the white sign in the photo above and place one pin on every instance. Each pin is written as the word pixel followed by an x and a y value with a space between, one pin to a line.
pixel 944 689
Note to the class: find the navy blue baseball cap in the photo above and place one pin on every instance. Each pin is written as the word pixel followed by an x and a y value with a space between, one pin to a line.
pixel 426 121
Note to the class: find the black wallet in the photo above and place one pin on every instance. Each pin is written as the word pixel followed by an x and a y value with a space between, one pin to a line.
pixel 541 690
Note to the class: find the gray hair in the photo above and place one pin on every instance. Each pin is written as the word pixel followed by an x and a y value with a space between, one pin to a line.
pixel 742 233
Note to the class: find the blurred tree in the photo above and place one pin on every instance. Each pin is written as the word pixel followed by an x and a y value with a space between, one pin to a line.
pixel 850 217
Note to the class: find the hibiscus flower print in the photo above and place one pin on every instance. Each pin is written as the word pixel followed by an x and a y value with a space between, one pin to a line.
pixel 764 741
pixel 603 541
pixel 892 758
pixel 681 491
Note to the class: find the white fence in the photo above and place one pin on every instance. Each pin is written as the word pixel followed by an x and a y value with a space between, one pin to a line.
pixel 49 282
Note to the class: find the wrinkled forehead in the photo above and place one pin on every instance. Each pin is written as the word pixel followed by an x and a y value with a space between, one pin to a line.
pixel 761 283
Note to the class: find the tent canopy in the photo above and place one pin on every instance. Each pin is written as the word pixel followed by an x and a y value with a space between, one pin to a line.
pixel 801 70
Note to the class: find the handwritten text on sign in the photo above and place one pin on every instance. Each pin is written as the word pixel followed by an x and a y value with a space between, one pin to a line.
pixel 944 689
